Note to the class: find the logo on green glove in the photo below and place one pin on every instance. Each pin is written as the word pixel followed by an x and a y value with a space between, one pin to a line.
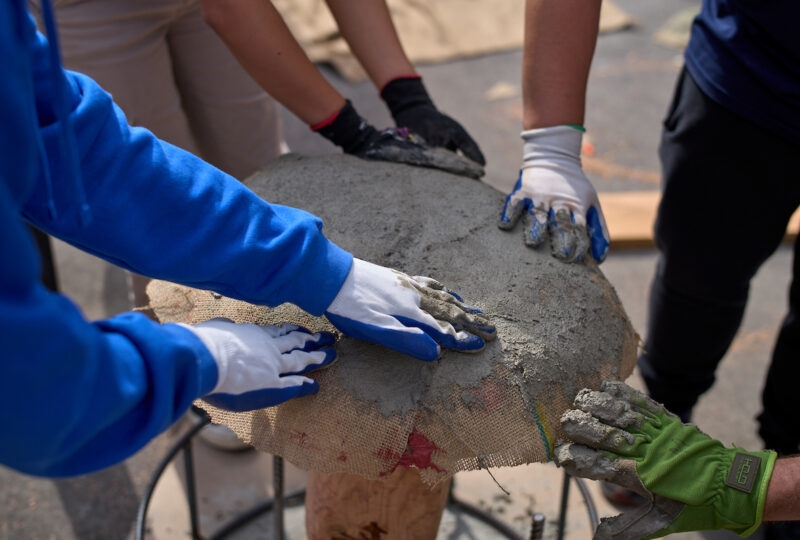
pixel 743 472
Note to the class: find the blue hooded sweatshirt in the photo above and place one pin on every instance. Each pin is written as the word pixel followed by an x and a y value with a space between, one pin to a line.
pixel 76 396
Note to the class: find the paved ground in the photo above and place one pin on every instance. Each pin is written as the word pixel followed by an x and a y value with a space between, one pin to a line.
pixel 630 85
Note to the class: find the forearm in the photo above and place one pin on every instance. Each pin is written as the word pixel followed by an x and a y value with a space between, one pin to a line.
pixel 92 393
pixel 164 213
pixel 259 38
pixel 367 27
pixel 560 37
pixel 783 493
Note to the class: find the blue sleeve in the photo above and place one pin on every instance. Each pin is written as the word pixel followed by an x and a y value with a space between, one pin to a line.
pixel 78 396
pixel 161 212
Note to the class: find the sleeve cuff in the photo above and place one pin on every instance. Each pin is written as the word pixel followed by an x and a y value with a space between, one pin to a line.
pixel 206 366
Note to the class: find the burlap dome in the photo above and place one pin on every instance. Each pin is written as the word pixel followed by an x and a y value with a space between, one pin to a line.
pixel 560 328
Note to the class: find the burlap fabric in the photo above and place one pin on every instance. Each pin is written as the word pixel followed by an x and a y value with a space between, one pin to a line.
pixel 560 328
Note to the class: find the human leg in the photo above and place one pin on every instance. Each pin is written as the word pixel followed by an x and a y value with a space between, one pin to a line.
pixel 122 45
pixel 724 210
pixel 779 422
pixel 236 124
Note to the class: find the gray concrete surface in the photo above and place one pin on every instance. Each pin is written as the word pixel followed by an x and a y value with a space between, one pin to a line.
pixel 630 85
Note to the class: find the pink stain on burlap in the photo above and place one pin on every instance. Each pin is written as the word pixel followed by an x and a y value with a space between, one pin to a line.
pixel 418 453
pixel 302 440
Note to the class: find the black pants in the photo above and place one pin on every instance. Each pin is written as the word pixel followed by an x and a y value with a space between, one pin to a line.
pixel 49 277
pixel 730 188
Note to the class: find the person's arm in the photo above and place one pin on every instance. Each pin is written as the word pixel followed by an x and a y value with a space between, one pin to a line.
pixel 259 38
pixel 153 208
pixel 162 212
pixel 74 396
pixel 367 27
pixel 78 396
pixel 552 196
pixel 783 494
pixel 689 480
pixel 560 37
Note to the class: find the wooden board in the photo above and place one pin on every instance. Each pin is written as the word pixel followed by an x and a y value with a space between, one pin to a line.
pixel 630 216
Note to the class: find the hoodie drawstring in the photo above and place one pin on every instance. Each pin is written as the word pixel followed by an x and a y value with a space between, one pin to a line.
pixel 68 145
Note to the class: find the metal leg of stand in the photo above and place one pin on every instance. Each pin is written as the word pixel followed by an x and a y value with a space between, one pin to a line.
pixel 277 488
pixel 191 489
pixel 294 498
pixel 481 515
pixel 537 527
pixel 562 512
pixel 141 516
pixel 594 519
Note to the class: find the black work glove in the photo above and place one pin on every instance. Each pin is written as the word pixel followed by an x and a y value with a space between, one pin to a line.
pixel 357 137
pixel 411 107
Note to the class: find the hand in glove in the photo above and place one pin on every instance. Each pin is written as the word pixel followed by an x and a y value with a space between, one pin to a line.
pixel 355 136
pixel 412 107
pixel 691 481
pixel 554 197
pixel 262 366
pixel 413 315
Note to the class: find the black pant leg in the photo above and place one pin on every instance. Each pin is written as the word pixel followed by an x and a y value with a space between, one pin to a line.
pixel 48 277
pixel 726 201
pixel 779 421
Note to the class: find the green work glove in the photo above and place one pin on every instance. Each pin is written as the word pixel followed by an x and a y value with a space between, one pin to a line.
pixel 691 481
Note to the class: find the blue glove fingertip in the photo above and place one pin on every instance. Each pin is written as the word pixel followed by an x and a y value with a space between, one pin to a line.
pixel 537 232
pixel 599 241
pixel 325 339
pixel 259 399
pixel 418 345
pixel 468 343
pixel 454 295
pixel 510 213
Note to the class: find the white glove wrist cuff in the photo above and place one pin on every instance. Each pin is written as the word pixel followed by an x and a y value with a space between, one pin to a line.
pixel 214 340
pixel 552 142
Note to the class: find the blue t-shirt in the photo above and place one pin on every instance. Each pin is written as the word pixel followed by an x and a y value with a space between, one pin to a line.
pixel 745 55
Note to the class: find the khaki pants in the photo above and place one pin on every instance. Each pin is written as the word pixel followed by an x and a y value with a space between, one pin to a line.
pixel 170 73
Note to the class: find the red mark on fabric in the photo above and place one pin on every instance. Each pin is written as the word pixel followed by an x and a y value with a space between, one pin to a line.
pixel 418 453
pixel 490 396
pixel 388 455
pixel 302 440
pixel 342 457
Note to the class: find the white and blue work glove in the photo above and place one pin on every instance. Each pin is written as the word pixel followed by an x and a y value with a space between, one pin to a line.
pixel 262 366
pixel 412 315
pixel 555 199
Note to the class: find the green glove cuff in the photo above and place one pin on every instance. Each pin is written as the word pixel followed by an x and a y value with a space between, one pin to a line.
pixel 762 483
pixel 723 488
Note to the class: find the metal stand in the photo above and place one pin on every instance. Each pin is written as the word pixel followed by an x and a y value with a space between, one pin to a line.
pixel 297 497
